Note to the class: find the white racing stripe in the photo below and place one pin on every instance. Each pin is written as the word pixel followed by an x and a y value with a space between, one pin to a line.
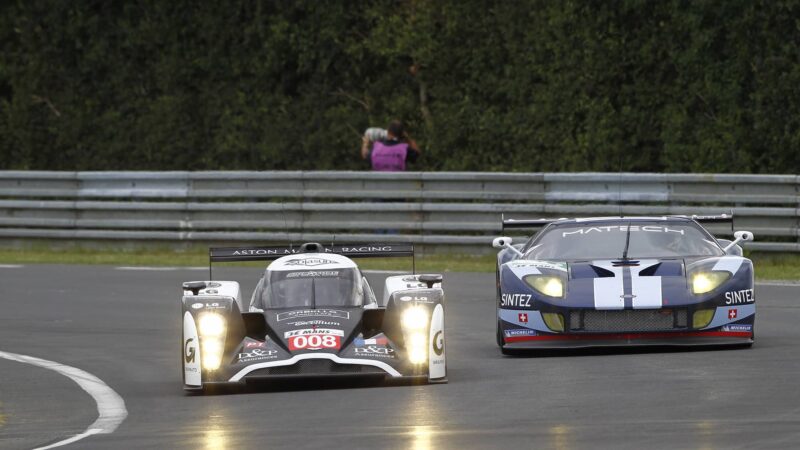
pixel 608 291
pixel 729 263
pixel 646 290
pixel 110 406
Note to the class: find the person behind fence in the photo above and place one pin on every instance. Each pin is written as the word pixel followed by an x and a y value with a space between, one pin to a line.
pixel 389 151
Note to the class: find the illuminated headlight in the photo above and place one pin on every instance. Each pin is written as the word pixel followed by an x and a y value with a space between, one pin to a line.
pixel 702 317
pixel 211 324
pixel 547 285
pixel 415 318
pixel 703 282
pixel 212 353
pixel 417 345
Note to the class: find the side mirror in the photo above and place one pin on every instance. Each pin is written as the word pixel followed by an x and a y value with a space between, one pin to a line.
pixel 430 279
pixel 505 242
pixel 740 237
pixel 501 242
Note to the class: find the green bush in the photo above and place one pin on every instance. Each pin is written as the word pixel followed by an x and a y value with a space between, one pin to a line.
pixel 675 86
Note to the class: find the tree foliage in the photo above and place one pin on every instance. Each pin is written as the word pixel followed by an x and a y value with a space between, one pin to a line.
pixel 674 85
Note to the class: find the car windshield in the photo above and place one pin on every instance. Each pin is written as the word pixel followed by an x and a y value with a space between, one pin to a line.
pixel 310 288
pixel 656 239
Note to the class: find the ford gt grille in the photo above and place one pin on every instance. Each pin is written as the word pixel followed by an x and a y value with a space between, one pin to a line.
pixel 628 320
pixel 317 367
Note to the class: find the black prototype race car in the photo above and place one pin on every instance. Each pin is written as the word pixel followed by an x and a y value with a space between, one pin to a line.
pixel 313 314
pixel 623 281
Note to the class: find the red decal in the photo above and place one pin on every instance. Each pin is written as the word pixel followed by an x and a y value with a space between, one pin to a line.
pixel 523 317
pixel 732 314
pixel 314 342
pixel 629 336
pixel 252 344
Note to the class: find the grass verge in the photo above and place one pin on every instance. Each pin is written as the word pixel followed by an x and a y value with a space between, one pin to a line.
pixel 769 266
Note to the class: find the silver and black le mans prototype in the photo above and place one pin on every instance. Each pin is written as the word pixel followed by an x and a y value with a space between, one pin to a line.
pixel 313 314
pixel 623 281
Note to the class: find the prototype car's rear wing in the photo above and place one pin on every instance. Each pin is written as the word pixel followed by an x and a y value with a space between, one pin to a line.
pixel 268 253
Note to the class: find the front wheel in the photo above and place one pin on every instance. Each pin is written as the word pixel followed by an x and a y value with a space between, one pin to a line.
pixel 500 340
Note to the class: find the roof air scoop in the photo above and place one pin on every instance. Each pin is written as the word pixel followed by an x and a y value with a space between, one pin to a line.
pixel 312 247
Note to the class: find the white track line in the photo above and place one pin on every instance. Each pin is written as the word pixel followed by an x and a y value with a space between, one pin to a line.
pixel 11 266
pixel 161 269
pixel 110 406
pixel 386 271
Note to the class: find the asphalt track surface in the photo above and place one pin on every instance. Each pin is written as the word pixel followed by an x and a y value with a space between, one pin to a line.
pixel 123 326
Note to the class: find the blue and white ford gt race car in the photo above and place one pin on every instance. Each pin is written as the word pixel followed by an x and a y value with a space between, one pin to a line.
pixel 312 314
pixel 623 281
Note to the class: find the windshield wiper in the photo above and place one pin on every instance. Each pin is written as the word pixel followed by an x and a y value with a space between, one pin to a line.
pixel 313 295
pixel 627 243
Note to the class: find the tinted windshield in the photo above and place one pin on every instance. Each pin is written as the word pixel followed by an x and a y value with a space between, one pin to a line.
pixel 657 239
pixel 310 288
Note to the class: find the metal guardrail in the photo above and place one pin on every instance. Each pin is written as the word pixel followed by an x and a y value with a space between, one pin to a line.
pixel 431 208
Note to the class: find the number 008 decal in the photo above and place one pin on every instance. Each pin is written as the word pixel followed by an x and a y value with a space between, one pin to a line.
pixel 314 342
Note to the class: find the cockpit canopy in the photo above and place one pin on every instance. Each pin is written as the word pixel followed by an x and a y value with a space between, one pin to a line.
pixel 608 239
pixel 310 281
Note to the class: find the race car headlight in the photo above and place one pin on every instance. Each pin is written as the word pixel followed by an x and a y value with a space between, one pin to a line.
pixel 704 282
pixel 554 321
pixel 212 353
pixel 548 285
pixel 415 318
pixel 702 317
pixel 211 324
pixel 417 345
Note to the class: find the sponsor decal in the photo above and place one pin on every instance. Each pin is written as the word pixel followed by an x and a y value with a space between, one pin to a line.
pixel 212 305
pixel 188 352
pixel 374 341
pixel 732 313
pixel 737 297
pixel 255 344
pixel 374 350
pixel 312 312
pixel 214 284
pixel 257 354
pixel 523 300
pixel 315 342
pixel 539 264
pixel 737 327
pixel 309 262
pixel 314 339
pixel 519 332
pixel 523 317
pixel 309 331
pixel 416 298
pixel 366 249
pixel 438 343
pixel 622 228
pixel 316 323
pixel 264 252
pixel 313 273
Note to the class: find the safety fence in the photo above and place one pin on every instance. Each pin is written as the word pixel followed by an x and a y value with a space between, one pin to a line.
pixel 458 210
